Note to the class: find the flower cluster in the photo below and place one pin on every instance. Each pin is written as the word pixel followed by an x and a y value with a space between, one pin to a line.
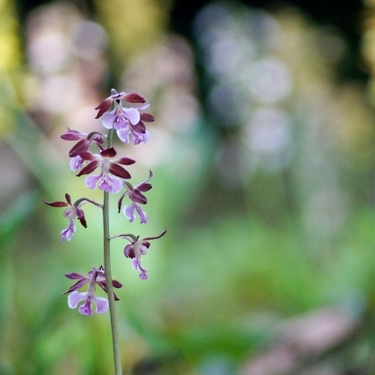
pixel 95 276
pixel 124 114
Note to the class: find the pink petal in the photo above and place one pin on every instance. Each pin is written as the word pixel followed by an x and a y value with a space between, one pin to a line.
pixel 142 215
pixel 75 298
pixel 76 163
pixel 132 114
pixel 67 234
pixel 91 181
pixel 101 304
pixel 123 134
pixel 116 184
pixel 135 263
pixel 108 118
pixel 129 212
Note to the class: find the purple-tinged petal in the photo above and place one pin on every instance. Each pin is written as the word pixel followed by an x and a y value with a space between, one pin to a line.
pixel 86 309
pixel 123 134
pixel 109 118
pixel 70 213
pixel 132 114
pixel 119 171
pixel 101 304
pixel 143 275
pixel 143 107
pixel 67 234
pixel 135 263
pixel 129 212
pixel 75 298
pixel 91 181
pixel 111 184
pixel 89 168
pixel 139 137
pixel 142 215
pixel 76 163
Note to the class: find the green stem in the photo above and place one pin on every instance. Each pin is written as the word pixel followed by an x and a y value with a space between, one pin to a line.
pixel 108 277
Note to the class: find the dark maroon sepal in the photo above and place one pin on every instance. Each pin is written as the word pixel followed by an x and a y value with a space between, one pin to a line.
pixel 140 127
pixel 89 168
pixel 119 171
pixel 116 284
pixel 108 153
pixel 103 107
pixel 83 222
pixel 133 98
pixel 80 146
pixel 86 155
pixel 70 137
pixel 147 117
pixel 119 203
pixel 57 204
pixel 144 187
pixel 137 196
pixel 68 198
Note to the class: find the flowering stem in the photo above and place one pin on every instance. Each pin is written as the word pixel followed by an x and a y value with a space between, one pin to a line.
pixel 108 277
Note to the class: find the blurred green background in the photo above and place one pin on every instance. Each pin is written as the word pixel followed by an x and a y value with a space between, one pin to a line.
pixel 263 157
